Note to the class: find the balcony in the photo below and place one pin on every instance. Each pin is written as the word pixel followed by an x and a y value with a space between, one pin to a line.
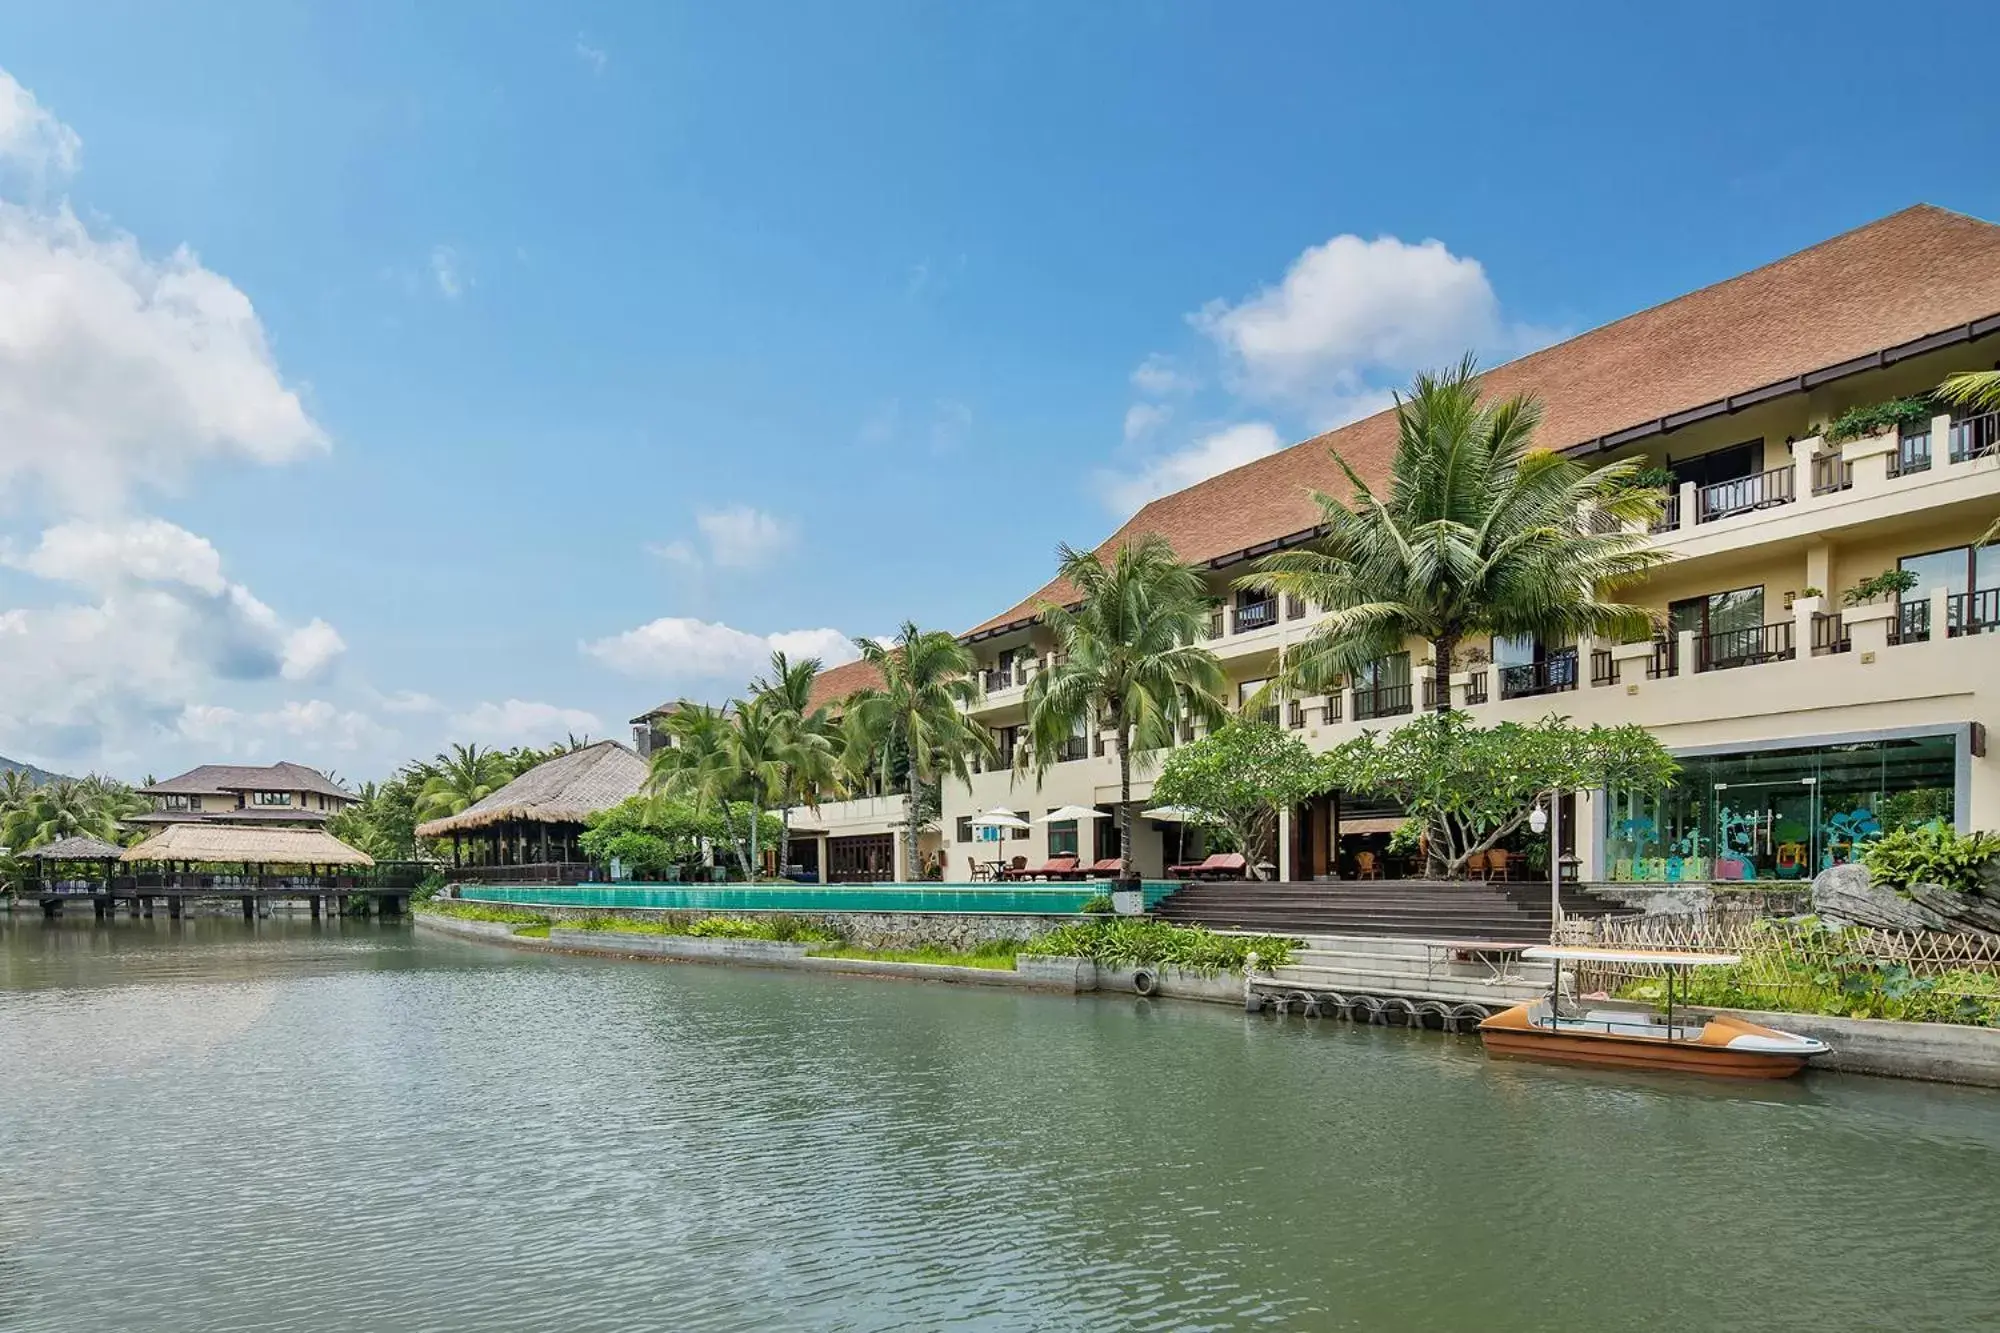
pixel 1745 647
pixel 1829 635
pixel 1475 688
pixel 1913 455
pixel 1073 749
pixel 1295 715
pixel 1665 661
pixel 1831 474
pixel 998 679
pixel 1975 437
pixel 1215 620
pixel 1973 612
pixel 1552 675
pixel 1295 607
pixel 1912 623
pixel 1670 515
pixel 1764 490
pixel 1255 615
pixel 1382 701
pixel 1603 667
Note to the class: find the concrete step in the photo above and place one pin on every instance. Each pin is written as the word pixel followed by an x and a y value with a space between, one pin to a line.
pixel 1363 981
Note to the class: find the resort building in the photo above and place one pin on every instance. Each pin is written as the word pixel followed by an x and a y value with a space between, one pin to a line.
pixel 1802 722
pixel 281 793
pixel 532 824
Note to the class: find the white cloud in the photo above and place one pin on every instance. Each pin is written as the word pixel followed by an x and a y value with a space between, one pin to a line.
pixel 681 648
pixel 1351 308
pixel 1142 419
pixel 1126 490
pixel 163 626
pixel 676 553
pixel 408 701
pixel 951 424
pixel 313 726
pixel 31 138
pixel 448 273
pixel 519 721
pixel 309 650
pixel 1158 377
pixel 592 55
pixel 742 537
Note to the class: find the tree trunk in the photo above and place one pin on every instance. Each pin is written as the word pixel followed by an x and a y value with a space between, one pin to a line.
pixel 912 864
pixel 1126 870
pixel 1443 648
pixel 756 818
pixel 785 837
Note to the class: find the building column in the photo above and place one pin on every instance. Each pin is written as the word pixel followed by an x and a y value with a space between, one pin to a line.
pixel 1284 844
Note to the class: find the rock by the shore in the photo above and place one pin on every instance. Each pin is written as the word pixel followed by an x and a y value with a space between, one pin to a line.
pixel 1848 895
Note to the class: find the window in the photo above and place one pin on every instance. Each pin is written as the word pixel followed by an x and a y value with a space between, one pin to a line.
pixel 964 830
pixel 1295 607
pixel 1019 834
pixel 1062 838
pixel 1006 738
pixel 1968 576
pixel 1718 613
pixel 1779 814
pixel 177 802
pixel 270 798
pixel 1710 469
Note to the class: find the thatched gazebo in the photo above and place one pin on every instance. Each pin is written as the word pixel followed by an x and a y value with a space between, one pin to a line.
pixel 537 818
pixel 73 863
pixel 237 844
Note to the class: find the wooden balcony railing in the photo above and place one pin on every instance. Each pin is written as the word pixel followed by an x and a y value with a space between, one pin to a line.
pixel 1912 623
pixel 1831 473
pixel 1913 454
pixel 1670 515
pixel 1975 612
pixel 1256 615
pixel 1603 667
pixel 1745 647
pixel 1829 635
pixel 1552 675
pixel 1215 619
pixel 1763 491
pixel 1475 688
pixel 1382 701
pixel 1666 659
pixel 1295 607
pixel 1975 437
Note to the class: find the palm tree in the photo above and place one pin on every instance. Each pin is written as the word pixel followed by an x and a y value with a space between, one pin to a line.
pixel 1978 390
pixel 64 809
pixel 464 777
pixel 916 719
pixel 1479 533
pixel 701 768
pixel 1127 652
pixel 809 758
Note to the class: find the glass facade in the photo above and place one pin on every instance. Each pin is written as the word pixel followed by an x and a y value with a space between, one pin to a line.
pixel 1778 814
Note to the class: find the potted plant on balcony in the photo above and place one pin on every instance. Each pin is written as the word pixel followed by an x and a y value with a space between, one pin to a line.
pixel 1871 591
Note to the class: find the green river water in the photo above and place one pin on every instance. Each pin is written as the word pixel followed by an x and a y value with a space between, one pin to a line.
pixel 216 1125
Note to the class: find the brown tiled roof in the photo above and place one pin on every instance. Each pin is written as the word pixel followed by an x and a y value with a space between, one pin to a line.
pixel 836 683
pixel 216 779
pixel 1914 273
pixel 249 814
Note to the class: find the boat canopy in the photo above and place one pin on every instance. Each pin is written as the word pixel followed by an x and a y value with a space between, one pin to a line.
pixel 1665 957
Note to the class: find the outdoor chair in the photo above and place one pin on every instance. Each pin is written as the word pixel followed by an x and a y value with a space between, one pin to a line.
pixel 1056 867
pixel 980 870
pixel 1475 864
pixel 1499 864
pixel 1108 867
pixel 1016 869
pixel 1366 866
pixel 1222 865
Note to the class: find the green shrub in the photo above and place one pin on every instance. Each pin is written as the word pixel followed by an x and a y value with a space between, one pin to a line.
pixel 1137 942
pixel 1858 423
pixel 429 887
pixel 1930 854
pixel 506 916
pixel 1098 904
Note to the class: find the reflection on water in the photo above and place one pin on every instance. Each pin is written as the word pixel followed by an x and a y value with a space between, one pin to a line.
pixel 347 1126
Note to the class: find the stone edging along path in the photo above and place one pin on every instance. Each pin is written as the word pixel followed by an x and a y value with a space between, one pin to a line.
pixel 1937 1052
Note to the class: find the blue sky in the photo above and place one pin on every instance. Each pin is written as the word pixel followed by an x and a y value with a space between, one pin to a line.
pixel 530 364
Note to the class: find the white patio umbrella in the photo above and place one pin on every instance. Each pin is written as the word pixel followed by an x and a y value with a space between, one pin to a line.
pixel 1063 813
pixel 1173 814
pixel 998 818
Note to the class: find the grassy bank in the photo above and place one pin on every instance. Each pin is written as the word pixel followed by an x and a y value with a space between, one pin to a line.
pixel 530 924
pixel 1135 942
pixel 781 928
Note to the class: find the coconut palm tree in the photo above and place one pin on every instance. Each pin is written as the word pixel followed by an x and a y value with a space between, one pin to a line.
pixel 1978 390
pixel 1478 532
pixel 466 776
pixel 64 809
pixel 703 767
pixel 810 758
pixel 916 719
pixel 1128 652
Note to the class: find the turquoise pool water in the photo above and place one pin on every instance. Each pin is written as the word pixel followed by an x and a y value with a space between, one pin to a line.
pixel 1012 899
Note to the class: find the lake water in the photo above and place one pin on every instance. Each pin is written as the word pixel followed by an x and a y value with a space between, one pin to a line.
pixel 215 1125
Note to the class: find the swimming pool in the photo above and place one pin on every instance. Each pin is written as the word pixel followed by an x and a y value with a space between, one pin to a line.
pixel 1007 899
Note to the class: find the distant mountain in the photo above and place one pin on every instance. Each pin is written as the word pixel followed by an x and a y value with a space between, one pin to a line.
pixel 36 775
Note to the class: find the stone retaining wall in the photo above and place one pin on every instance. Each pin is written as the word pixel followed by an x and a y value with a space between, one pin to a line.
pixel 1937 1052
pixel 865 930
pixel 1724 904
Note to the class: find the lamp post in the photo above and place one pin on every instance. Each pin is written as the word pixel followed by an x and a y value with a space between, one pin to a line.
pixel 1550 820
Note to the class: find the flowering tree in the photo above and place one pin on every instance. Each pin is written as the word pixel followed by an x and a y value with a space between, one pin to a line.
pixel 1238 778
pixel 1472 786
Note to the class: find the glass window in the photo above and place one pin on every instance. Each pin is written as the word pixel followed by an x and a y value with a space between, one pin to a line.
pixel 1937 570
pixel 1513 650
pixel 271 798
pixel 1732 464
pixel 1779 814
pixel 1719 612
pixel 964 830
pixel 1019 834
pixel 1062 838
pixel 1384 673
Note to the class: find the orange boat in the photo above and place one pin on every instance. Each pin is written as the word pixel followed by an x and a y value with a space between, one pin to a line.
pixel 1731 1047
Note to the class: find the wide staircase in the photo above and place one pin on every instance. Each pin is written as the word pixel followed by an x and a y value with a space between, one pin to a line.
pixel 1471 910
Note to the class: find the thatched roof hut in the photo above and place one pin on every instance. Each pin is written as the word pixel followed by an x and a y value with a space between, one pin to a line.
pixel 565 790
pixel 237 844
pixel 75 849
